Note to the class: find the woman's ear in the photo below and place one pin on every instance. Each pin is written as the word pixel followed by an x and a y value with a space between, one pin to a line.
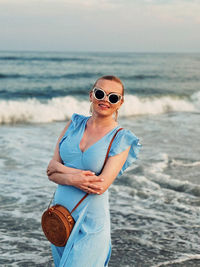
pixel 121 101
pixel 90 96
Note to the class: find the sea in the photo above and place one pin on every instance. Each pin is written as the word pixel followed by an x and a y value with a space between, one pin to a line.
pixel 155 204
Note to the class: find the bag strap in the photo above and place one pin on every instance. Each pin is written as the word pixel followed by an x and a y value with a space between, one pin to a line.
pixel 101 169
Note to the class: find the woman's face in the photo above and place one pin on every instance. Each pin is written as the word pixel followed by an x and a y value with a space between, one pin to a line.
pixel 104 107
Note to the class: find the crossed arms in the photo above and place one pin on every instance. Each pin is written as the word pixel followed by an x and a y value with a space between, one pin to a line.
pixel 85 180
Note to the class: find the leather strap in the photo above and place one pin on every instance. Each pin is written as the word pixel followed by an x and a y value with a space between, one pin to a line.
pixel 79 202
pixel 101 169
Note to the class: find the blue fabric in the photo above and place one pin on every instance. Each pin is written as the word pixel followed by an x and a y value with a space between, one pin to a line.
pixel 89 244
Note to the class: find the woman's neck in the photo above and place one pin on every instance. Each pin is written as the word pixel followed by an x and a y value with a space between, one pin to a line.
pixel 102 122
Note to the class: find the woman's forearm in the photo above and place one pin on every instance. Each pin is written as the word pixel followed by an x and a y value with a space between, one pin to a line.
pixel 60 178
pixel 55 166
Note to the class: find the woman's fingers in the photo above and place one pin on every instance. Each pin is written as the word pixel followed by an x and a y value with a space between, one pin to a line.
pixel 94 178
pixel 94 186
pixel 90 190
pixel 91 185
pixel 48 172
pixel 88 173
pixel 88 182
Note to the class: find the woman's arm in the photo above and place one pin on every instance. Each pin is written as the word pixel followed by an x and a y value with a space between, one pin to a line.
pixel 111 170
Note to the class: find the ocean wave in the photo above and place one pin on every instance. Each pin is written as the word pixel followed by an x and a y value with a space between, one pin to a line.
pixel 50 76
pixel 76 75
pixel 196 98
pixel 157 105
pixel 32 58
pixel 47 93
pixel 182 260
pixel 142 77
pixel 176 185
pixel 49 90
pixel 61 108
pixel 9 76
pixel 158 176
pixel 181 163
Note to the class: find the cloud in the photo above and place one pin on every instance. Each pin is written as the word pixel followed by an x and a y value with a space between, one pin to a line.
pixel 100 24
pixel 177 12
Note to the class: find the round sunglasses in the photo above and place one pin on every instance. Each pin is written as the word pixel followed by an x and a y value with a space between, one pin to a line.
pixel 100 94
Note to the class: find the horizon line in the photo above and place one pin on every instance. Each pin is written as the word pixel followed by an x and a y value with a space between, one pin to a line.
pixel 99 51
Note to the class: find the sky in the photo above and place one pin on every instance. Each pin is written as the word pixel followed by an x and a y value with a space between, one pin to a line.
pixel 100 25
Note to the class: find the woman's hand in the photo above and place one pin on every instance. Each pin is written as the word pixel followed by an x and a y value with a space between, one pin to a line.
pixel 52 167
pixel 87 181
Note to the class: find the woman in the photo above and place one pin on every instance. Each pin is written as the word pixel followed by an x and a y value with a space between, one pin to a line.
pixel 76 168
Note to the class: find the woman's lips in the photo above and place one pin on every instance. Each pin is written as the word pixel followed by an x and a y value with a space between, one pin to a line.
pixel 104 106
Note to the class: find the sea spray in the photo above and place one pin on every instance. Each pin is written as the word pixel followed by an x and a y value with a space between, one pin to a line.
pixel 33 110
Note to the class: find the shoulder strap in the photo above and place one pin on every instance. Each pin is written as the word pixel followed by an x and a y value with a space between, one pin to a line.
pixel 101 169
pixel 110 147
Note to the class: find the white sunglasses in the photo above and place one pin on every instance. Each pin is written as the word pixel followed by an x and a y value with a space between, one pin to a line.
pixel 100 94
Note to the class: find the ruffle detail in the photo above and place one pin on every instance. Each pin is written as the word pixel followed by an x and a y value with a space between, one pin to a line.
pixel 122 141
pixel 76 120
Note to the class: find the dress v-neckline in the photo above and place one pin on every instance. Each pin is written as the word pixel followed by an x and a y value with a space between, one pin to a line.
pixel 83 131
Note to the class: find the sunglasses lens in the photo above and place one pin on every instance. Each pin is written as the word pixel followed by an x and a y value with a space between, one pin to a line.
pixel 113 98
pixel 99 94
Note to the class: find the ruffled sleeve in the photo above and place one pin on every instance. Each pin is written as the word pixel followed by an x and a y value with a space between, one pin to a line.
pixel 76 120
pixel 122 141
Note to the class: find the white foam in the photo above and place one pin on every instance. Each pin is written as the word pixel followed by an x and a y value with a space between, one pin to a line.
pixel 157 175
pixel 196 99
pixel 182 259
pixel 34 111
pixel 61 108
pixel 159 166
pixel 181 163
pixel 149 106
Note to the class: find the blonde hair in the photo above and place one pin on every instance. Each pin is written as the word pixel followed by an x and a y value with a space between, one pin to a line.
pixel 110 78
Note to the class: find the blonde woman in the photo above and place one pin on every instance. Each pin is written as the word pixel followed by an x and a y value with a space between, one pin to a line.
pixel 77 168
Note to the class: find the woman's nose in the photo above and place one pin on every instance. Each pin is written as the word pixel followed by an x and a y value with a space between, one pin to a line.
pixel 106 98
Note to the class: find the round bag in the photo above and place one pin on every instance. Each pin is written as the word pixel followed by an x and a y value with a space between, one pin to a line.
pixel 57 224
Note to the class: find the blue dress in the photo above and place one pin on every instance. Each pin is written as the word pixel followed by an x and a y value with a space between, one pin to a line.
pixel 89 244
